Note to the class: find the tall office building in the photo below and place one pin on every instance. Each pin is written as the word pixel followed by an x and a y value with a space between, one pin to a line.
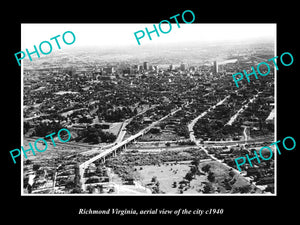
pixel 139 67
pixel 146 66
pixel 183 66
pixel 215 68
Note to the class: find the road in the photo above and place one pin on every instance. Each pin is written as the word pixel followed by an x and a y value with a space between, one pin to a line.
pixel 220 161
pixel 245 133
pixel 194 121
pixel 116 146
pixel 242 109
pixel 122 131
pixel 160 149
pixel 131 138
pixel 193 138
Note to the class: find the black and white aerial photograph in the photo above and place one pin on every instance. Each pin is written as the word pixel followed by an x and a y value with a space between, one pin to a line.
pixel 163 117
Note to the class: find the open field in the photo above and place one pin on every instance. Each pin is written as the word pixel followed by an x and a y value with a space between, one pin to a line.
pixel 166 174
pixel 114 128
pixel 222 173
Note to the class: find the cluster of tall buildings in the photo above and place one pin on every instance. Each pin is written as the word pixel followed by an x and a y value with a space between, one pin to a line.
pixel 185 66
pixel 182 67
pixel 146 66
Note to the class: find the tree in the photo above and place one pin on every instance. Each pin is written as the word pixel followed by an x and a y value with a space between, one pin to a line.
pixel 92 135
pixel 174 185
pixel 70 184
pixel 107 137
pixel 208 188
pixel 155 187
pixel 28 162
pixel 206 168
pixel 44 129
pixel 85 120
pixel 155 181
pixel 35 167
pixel 90 189
pixel 77 176
pixel 231 173
pixel 101 189
pixel 25 182
pixel 193 170
pixel 226 184
pixel 244 189
pixel 211 176
pixel 162 126
pixel 155 190
pixel 270 188
pixel 189 176
pixel 196 162
pixel 26 126
pixel 76 190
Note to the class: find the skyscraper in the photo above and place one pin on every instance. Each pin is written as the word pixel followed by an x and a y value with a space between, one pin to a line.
pixel 139 67
pixel 215 68
pixel 146 66
pixel 184 66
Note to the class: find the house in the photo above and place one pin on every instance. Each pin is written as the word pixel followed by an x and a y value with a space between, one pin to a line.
pixel 254 172
pixel 91 168
pixel 147 120
pixel 265 180
pixel 129 181
pixel 270 119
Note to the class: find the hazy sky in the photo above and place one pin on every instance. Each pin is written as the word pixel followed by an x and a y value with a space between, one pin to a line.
pixel 123 34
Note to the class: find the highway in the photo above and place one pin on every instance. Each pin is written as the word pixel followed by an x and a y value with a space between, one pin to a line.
pixel 115 147
pixel 128 140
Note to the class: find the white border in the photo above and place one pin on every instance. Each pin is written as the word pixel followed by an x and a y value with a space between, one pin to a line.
pixel 275 108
